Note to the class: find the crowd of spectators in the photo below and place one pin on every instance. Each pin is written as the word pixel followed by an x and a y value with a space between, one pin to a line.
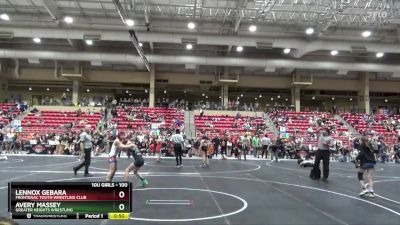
pixel 134 102
pixel 345 144
pixel 150 138
pixel 184 104
pixel 232 105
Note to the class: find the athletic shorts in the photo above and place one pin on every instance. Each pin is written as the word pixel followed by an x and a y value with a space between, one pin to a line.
pixel 204 148
pixel 139 162
pixel 112 159
pixel 367 166
pixel 223 149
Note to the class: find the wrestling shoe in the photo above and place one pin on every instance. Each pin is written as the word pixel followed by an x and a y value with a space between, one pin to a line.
pixel 363 192
pixel 145 182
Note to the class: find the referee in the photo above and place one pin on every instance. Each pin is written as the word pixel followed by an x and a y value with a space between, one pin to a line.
pixel 86 146
pixel 177 140
pixel 323 153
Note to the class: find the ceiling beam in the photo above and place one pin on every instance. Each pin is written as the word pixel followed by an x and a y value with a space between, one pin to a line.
pixel 199 60
pixel 52 9
pixel 198 9
pixel 147 21
pixel 302 46
pixel 241 4
pixel 80 8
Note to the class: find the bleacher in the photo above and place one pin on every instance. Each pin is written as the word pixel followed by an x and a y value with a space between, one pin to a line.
pixel 54 121
pixel 5 107
pixel 361 125
pixel 299 122
pixel 217 125
pixel 169 115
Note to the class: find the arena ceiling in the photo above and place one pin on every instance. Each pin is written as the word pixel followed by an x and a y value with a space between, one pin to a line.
pixel 220 27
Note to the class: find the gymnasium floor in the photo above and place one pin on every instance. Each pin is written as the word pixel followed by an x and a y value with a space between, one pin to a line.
pixel 229 192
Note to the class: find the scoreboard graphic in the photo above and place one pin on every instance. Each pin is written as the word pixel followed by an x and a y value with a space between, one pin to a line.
pixel 70 200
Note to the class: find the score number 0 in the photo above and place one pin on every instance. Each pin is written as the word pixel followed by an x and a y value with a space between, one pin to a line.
pixel 121 195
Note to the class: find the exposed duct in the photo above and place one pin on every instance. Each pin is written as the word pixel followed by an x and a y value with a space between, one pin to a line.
pixel 198 60
pixel 71 56
pixel 303 47
pixel 277 63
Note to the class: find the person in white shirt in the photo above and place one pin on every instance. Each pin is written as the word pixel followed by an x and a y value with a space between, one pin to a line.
pixel 310 131
pixel 177 141
pixel 245 145
pixel 204 143
pixel 265 142
pixel 116 147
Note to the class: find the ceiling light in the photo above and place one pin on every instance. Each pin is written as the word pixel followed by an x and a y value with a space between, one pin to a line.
pixel 37 40
pixel 145 91
pixel 286 99
pixel 220 97
pixel 241 95
pixel 309 31
pixel 89 42
pixel 237 98
pixel 380 54
pixel 260 96
pixel 87 90
pixel 140 44
pixel 313 97
pixel 351 99
pixel 366 33
pixel 279 96
pixel 127 91
pixel 386 100
pixel 129 22
pixel 4 17
pixel 30 89
pixel 334 52
pixel 252 28
pixel 203 94
pixel 286 50
pixel 68 19
pixel 333 98
pixel 239 48
pixel 165 91
pixel 255 98
pixel 206 96
pixel 67 89
pixel 189 46
pixel 47 89
pixel 191 25
pixel 272 99
pixel 130 94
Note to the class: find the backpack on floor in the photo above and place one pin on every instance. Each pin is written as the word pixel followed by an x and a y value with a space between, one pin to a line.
pixel 315 173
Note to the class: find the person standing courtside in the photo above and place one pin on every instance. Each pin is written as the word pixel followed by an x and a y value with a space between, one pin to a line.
pixel 266 142
pixel 323 153
pixel 177 140
pixel 86 146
